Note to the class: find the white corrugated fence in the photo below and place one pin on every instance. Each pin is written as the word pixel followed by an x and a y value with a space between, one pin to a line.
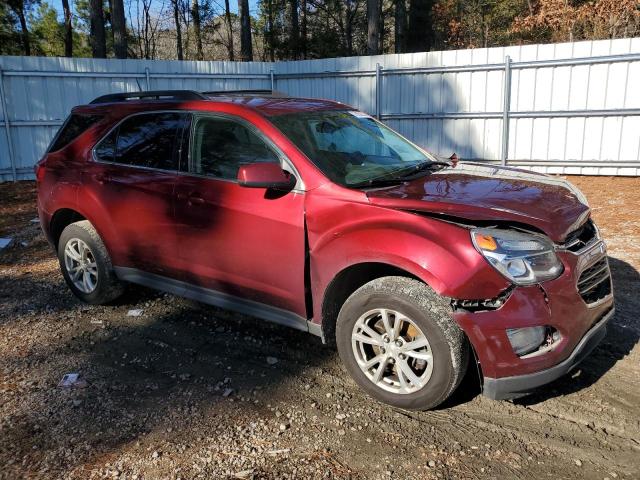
pixel 558 108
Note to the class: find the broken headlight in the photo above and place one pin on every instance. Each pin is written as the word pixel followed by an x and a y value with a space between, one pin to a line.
pixel 523 258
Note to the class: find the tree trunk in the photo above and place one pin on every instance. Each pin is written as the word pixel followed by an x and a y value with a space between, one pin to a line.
pixel 246 50
pixel 176 19
pixel 303 29
pixel 97 36
pixel 227 15
pixel 294 41
pixel 401 26
pixel 26 44
pixel 195 14
pixel 119 28
pixel 420 34
pixel 348 34
pixel 270 39
pixel 373 27
pixel 68 29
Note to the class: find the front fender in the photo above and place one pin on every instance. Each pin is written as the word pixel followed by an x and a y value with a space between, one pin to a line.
pixel 343 234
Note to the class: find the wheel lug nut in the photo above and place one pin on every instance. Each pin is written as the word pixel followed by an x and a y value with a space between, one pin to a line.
pixel 392 361
pixel 402 356
pixel 386 339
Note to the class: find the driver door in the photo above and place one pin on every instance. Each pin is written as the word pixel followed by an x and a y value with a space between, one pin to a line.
pixel 244 242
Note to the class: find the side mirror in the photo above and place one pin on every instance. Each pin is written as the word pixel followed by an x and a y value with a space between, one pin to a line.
pixel 265 175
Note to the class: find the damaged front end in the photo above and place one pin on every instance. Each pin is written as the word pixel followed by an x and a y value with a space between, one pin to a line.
pixel 553 314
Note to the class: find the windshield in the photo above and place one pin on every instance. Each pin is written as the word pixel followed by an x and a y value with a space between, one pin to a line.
pixel 350 147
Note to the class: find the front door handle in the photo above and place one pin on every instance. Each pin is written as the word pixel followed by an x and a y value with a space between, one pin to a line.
pixel 191 199
pixel 101 178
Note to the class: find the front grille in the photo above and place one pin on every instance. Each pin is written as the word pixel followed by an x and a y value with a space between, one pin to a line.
pixel 581 237
pixel 594 283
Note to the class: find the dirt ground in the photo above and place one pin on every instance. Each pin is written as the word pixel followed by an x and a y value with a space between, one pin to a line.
pixel 188 391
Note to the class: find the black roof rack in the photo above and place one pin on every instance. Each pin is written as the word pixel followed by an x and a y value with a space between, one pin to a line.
pixel 151 95
pixel 241 92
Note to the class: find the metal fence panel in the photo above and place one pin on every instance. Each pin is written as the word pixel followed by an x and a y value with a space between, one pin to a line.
pixel 570 107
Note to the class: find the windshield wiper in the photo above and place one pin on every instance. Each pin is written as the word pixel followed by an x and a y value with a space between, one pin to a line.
pixel 395 177
pixel 428 165
pixel 376 182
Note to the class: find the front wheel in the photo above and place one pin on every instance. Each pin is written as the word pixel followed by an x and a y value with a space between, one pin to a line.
pixel 399 342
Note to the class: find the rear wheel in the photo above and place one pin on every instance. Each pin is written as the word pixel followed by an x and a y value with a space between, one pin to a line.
pixel 86 265
pixel 399 342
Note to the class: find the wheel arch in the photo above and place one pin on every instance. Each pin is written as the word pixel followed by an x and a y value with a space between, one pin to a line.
pixel 60 220
pixel 347 281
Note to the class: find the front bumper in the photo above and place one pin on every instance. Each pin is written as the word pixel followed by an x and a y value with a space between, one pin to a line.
pixel 557 304
pixel 516 386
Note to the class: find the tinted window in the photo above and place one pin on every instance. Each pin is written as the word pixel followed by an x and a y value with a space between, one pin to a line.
pixel 106 149
pixel 220 146
pixel 149 140
pixel 73 127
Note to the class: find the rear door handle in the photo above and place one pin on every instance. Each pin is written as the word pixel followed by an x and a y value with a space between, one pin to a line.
pixel 196 200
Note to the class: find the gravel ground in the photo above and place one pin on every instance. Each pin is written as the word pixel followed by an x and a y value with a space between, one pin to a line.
pixel 189 391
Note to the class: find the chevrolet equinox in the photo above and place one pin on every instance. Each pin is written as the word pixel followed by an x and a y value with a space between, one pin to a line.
pixel 311 214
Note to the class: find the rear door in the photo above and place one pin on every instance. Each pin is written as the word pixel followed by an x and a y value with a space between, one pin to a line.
pixel 133 177
pixel 245 242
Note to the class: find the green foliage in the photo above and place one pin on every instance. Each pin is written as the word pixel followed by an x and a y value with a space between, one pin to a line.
pixel 9 32
pixel 47 34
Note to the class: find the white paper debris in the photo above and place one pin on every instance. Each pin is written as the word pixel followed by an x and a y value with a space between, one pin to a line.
pixel 278 452
pixel 272 360
pixel 72 380
pixel 5 242
pixel 135 312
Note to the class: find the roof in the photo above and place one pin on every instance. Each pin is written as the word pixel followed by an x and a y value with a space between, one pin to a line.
pixel 263 101
pixel 279 105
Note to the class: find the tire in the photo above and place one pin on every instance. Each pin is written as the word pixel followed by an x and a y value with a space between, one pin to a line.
pixel 102 286
pixel 423 314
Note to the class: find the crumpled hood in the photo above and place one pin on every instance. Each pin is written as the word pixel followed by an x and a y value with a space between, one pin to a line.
pixel 483 192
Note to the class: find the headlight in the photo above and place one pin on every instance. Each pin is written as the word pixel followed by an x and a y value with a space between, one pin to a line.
pixel 523 258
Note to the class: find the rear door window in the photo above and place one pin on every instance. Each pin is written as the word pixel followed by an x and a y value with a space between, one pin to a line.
pixel 75 125
pixel 148 140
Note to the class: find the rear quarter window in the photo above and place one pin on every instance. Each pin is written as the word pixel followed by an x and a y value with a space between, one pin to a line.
pixel 75 125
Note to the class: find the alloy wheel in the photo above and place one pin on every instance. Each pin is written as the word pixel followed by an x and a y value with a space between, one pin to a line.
pixel 81 265
pixel 392 351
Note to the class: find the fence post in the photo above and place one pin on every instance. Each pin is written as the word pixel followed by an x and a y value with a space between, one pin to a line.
pixel 273 80
pixel 505 111
pixel 147 74
pixel 7 129
pixel 378 91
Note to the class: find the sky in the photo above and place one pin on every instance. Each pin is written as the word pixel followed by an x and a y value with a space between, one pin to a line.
pixel 253 6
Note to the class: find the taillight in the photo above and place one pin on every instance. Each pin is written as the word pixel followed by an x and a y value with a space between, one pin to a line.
pixel 39 171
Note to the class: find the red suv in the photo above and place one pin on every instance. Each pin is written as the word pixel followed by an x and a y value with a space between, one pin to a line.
pixel 311 214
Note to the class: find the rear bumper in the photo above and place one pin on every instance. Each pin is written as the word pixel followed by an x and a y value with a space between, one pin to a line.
pixel 519 385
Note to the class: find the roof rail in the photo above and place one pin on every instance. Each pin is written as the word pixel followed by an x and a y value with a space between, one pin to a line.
pixel 241 92
pixel 151 95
